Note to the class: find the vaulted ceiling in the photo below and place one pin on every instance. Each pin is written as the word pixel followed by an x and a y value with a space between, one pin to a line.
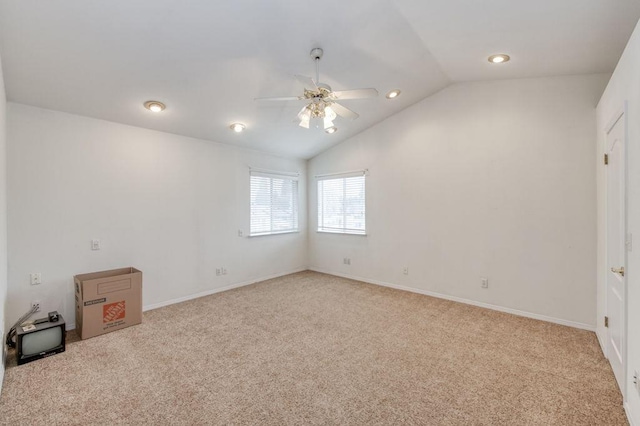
pixel 208 60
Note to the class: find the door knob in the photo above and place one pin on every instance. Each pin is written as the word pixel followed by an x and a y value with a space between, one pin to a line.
pixel 619 270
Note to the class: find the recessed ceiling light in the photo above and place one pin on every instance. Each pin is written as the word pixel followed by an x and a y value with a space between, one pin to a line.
pixel 393 94
pixel 499 59
pixel 154 106
pixel 331 129
pixel 237 127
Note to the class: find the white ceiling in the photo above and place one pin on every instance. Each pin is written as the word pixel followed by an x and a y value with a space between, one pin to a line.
pixel 207 60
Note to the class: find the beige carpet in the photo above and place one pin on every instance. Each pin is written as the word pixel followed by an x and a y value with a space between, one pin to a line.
pixel 310 348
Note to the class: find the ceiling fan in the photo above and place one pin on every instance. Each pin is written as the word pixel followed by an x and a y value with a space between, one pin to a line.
pixel 322 101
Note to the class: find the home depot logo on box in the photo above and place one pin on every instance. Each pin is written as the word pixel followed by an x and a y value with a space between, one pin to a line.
pixel 113 311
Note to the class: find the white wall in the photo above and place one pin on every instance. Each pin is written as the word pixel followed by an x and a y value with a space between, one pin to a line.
pixel 3 216
pixel 166 204
pixel 624 86
pixel 487 179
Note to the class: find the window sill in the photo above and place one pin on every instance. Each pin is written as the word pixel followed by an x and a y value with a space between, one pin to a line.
pixel 265 234
pixel 341 233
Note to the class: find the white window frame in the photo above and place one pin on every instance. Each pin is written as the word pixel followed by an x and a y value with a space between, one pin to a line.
pixel 322 225
pixel 295 201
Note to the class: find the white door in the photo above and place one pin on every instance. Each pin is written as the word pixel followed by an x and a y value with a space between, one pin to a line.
pixel 616 248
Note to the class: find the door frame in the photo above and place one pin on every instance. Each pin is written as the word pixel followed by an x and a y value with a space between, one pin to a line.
pixel 622 112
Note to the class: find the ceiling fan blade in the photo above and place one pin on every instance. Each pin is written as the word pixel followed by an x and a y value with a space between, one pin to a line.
pixel 282 98
pixel 355 94
pixel 307 82
pixel 343 111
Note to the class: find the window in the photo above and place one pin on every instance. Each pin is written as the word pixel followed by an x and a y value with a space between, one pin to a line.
pixel 341 203
pixel 274 203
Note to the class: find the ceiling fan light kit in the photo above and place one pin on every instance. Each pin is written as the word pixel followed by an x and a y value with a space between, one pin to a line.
pixel 322 100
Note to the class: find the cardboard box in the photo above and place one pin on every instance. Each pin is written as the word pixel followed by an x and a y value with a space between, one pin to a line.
pixel 107 301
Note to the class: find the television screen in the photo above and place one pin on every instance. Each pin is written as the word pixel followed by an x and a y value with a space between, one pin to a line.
pixel 41 341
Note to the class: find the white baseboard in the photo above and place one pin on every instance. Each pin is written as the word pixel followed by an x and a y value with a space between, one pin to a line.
pixel 152 306
pixel 601 341
pixel 376 282
pixel 465 301
pixel 218 290
pixel 627 410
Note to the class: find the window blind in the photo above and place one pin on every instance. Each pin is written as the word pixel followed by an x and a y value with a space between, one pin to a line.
pixel 274 203
pixel 341 203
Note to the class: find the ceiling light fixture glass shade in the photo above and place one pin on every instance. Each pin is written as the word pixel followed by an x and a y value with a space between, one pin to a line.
pixel 317 109
pixel 305 117
pixel 393 94
pixel 154 106
pixel 329 116
pixel 237 127
pixel 499 59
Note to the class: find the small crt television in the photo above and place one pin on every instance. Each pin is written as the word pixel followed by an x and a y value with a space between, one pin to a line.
pixel 40 339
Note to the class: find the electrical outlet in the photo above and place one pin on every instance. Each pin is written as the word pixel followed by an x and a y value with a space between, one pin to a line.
pixel 218 271
pixel 484 282
pixel 405 270
pixel 240 234
pixel 636 381
pixel 95 244
pixel 36 278
pixel 36 304
pixel 224 271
